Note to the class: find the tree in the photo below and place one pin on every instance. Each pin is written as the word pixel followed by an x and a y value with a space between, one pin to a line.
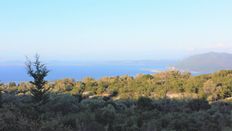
pixel 0 98
pixel 38 71
pixel 1 84
pixel 210 89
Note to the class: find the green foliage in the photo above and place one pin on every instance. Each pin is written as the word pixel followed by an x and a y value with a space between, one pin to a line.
pixel 0 98
pixel 166 101
pixel 197 105
pixel 38 72
pixel 63 112
pixel 144 103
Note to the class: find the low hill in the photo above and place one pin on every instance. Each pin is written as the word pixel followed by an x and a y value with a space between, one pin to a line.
pixel 205 63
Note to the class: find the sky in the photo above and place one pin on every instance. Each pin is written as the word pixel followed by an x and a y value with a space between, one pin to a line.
pixel 114 29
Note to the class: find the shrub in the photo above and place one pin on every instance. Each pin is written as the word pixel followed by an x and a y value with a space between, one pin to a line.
pixel 198 104
pixel 144 103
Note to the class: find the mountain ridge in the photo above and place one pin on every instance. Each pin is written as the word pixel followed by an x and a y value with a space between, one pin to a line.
pixel 206 62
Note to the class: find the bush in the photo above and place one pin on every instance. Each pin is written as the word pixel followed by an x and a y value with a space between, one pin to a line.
pixel 198 104
pixel 0 98
pixel 144 103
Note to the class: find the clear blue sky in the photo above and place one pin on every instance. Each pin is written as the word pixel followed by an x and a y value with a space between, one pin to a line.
pixel 113 29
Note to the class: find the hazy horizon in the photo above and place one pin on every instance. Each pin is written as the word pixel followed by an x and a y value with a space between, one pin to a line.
pixel 100 62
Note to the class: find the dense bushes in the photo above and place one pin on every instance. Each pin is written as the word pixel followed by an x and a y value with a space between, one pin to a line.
pixel 63 112
pixel 144 103
pixel 170 84
pixel 167 101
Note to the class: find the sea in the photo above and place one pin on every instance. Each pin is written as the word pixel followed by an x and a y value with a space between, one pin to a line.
pixel 17 73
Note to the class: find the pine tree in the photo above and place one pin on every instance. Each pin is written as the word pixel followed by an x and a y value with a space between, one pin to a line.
pixel 38 71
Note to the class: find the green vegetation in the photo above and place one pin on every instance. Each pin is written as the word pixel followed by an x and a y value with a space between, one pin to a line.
pixel 38 72
pixel 0 98
pixel 167 101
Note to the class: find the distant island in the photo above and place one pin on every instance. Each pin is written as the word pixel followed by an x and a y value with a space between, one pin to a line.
pixel 206 63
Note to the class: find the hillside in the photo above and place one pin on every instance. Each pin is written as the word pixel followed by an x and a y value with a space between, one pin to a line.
pixel 166 101
pixel 205 63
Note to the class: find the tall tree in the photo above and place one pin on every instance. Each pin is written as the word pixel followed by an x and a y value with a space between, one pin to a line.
pixel 38 71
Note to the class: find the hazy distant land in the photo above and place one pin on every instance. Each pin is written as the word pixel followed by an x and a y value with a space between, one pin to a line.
pixel 197 64
pixel 206 63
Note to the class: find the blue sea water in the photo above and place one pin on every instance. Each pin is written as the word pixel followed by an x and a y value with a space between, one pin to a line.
pixel 18 73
